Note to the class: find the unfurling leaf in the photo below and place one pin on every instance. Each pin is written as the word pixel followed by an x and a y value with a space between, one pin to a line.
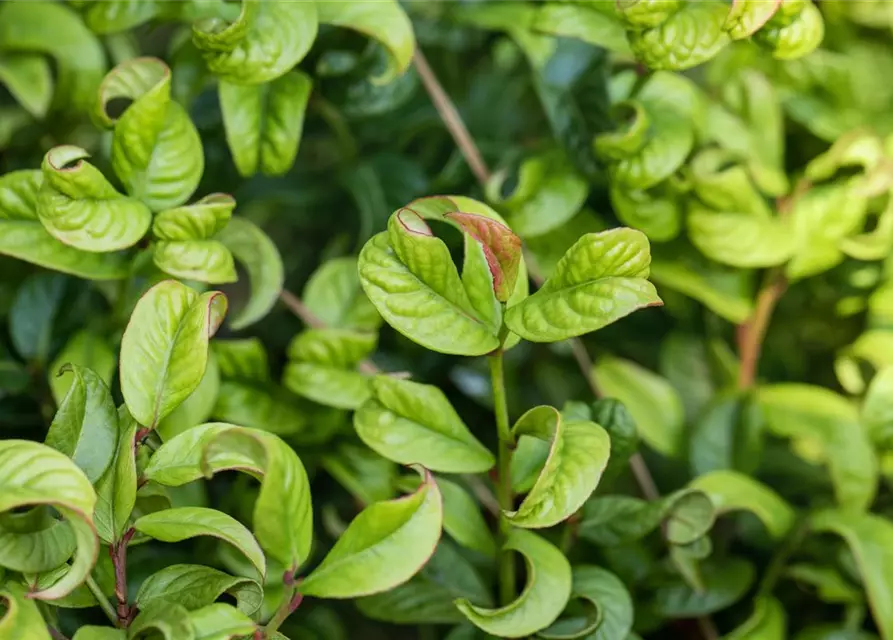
pixel 21 619
pixel 382 547
pixel 549 584
pixel 613 608
pixel 164 350
pixel 501 247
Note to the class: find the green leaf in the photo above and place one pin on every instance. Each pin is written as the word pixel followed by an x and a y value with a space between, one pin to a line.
pixel 220 622
pixel 85 427
pixel 27 77
pixel 548 590
pixel 282 513
pixel 335 296
pixel 382 547
pixel 164 350
pixel 870 539
pixel 34 474
pixel 724 584
pixel 196 586
pixel 263 122
pixel 85 349
pixel 156 150
pixel 741 240
pixel 264 407
pixel 655 405
pixel 90 632
pixel 22 236
pixel 34 312
pixel 462 519
pixel 116 489
pixel 197 407
pixel 365 474
pixel 21 619
pixel 733 491
pixel 727 435
pixel 244 359
pixel 182 523
pixel 657 212
pixel 166 618
pixel 593 23
pixel 797 38
pixel 600 279
pixel 613 416
pixel 686 38
pixel 501 247
pixel 578 454
pixel 34 541
pixel 119 15
pixel 830 586
pixel 264 43
pixel 408 422
pixel 385 21
pixel 830 425
pixel 767 622
pixel 611 600
pixel 260 257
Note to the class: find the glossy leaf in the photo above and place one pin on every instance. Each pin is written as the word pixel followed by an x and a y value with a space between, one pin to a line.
pixel 733 491
pixel 408 422
pixel 34 541
pixel 21 618
pixel 89 632
pixel 196 586
pixel 334 295
pixel 686 38
pixel 169 619
pixel 501 247
pixel 548 589
pixel 116 489
pixel 220 622
pixel 197 407
pixel 85 349
pixel 740 239
pixel 28 79
pixel 164 350
pixel 382 547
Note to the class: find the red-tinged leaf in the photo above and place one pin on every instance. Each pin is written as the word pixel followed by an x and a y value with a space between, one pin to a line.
pixel 501 247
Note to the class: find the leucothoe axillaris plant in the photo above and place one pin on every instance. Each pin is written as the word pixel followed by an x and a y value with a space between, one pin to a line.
pixel 632 384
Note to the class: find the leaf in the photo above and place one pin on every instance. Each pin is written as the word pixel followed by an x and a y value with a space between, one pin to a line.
pixel 116 489
pixel 612 603
pixel 797 38
pixel 598 281
pixel 156 150
pixel 21 619
pixel 501 247
pixel 408 422
pixel 724 584
pixel 34 541
pixel 655 405
pixel 90 632
pixel 85 349
pixel 164 350
pixel 197 407
pixel 727 435
pixel 260 257
pixel 613 416
pixel 588 22
pixel 182 523
pixel 385 21
pixel 870 539
pixel 85 427
pixel 335 296
pixel 830 424
pixel 34 311
pixel 547 591
pixel 657 212
pixel 578 454
pixel 22 236
pixel 244 359
pixel 263 122
pixel 282 513
pixel 28 78
pixel 740 239
pixel 196 586
pixel 382 547
pixel 733 491
pixel 462 519
pixel 169 619
pixel 767 622
pixel 365 474
pixel 265 407
pixel 34 474
pixel 220 622
pixel 264 43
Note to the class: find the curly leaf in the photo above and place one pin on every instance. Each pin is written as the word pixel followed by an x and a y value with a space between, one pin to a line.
pixel 600 279
pixel 408 422
pixel 578 454
pixel 34 541
pixel 613 608
pixel 382 547
pixel 34 474
pixel 734 491
pixel 335 296
pixel 741 240
pixel 79 207
pixel 164 350
pixel 746 17
pixel 282 514
pixel 501 247
pixel 548 589
pixel 21 618
pixel 797 38
pixel 264 122
pixel 27 77
pixel 687 38
pixel 85 349
pixel 156 150
pixel 264 43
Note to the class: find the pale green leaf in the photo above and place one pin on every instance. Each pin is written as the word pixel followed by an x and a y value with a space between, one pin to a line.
pixel 244 359
pixel 85 349
pixel 767 622
pixel 34 474
pixel 119 15
pixel 734 491
pixel 548 589
pixel 265 407
pixel 197 407
pixel 586 21
pixel 365 474
pixel 166 618
pixel 90 632
pixel 164 350
pixel 21 619
pixel 27 77
pixel 34 541
pixel 263 122
pixel 740 239
pixel 116 489
pixel 408 422
pixel 463 520
pixel 196 586
pixel 656 212
pixel 220 622
pixel 334 295
pixel 600 279
pixel 382 547
pixel 688 37
pixel 877 407
pixel 182 523
pixel 199 260
pixel 797 38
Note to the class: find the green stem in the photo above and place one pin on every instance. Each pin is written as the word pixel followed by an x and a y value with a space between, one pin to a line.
pixel 504 476
pixel 290 602
pixel 102 600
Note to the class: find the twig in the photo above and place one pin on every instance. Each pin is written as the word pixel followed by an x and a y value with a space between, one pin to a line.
pixel 118 552
pixel 291 601
pixel 753 330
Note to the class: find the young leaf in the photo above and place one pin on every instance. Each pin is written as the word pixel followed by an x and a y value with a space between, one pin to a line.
pixel 164 350
pixel 578 453
pixel 166 618
pixel 220 622
pixel 21 619
pixel 501 247
pixel 611 600
pixel 263 122
pixel 733 491
pixel 548 589
pixel 264 43
pixel 197 407
pixel 408 422
pixel 600 279
pixel 382 547
pixel 116 489
pixel 260 257
pixel 196 586
pixel 85 349
pixel 156 150
pixel 174 525
pixel 85 427
pixel 335 296
pixel 282 514
pixel 90 632
pixel 741 240
pixel 27 77
pixel 80 208
pixel 34 474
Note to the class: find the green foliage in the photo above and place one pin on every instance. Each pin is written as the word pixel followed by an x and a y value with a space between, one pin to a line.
pixel 265 375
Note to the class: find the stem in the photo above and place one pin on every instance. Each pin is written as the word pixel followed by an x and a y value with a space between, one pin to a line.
pixel 752 332
pixel 118 552
pixel 503 473
pixel 290 603
pixel 782 555
pixel 104 603
pixel 55 634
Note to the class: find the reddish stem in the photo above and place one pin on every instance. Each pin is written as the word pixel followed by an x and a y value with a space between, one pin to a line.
pixel 118 553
